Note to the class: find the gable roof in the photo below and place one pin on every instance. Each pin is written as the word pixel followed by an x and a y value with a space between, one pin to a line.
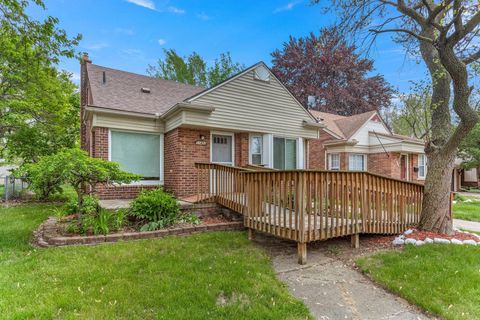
pixel 122 91
pixel 342 126
pixel 241 73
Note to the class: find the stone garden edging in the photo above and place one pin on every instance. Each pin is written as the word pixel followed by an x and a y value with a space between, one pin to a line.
pixel 403 239
pixel 47 235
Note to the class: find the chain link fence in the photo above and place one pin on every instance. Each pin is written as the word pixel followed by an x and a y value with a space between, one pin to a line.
pixel 13 188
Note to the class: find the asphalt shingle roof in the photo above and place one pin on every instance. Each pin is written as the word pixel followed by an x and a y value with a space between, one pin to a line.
pixel 122 91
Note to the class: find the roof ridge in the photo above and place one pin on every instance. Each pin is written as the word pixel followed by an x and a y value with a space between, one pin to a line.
pixel 146 76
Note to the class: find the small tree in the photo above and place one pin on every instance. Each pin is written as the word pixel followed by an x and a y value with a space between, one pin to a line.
pixel 74 167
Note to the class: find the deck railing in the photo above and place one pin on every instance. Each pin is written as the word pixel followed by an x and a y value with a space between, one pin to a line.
pixel 315 205
pixel 311 205
pixel 222 184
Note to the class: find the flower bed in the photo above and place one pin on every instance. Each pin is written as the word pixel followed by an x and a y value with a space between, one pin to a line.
pixel 52 232
pixel 418 238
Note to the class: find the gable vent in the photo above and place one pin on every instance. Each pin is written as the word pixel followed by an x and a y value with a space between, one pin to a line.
pixel 262 74
pixel 145 90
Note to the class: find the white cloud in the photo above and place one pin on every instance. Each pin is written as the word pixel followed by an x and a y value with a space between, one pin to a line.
pixel 143 3
pixel 162 42
pixel 289 6
pixel 176 10
pixel 125 31
pixel 203 16
pixel 97 46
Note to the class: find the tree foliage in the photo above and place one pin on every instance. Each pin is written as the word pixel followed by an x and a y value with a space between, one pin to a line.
pixel 470 149
pixel 445 34
pixel 193 69
pixel 328 68
pixel 38 104
pixel 413 116
pixel 74 167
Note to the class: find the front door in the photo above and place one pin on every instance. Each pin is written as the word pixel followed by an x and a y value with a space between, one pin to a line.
pixel 222 149
pixel 222 153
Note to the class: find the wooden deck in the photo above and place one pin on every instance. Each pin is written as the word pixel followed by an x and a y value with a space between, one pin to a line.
pixel 305 205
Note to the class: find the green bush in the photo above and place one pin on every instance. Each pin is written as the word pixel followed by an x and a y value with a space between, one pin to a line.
pixel 155 207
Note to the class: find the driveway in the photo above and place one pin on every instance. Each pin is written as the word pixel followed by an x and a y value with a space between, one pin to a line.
pixel 332 288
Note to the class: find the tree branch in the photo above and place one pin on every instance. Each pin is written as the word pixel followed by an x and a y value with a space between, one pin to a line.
pixel 472 58
pixel 410 32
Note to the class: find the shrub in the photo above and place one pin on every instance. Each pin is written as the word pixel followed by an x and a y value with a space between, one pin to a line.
pixel 155 207
pixel 76 168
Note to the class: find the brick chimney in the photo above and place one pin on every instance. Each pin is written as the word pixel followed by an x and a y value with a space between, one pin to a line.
pixel 84 134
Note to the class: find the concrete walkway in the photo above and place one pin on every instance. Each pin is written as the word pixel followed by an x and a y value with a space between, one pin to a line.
pixel 331 289
pixel 470 194
pixel 466 225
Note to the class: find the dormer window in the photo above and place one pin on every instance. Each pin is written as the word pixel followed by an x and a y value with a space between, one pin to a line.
pixel 145 90
pixel 261 73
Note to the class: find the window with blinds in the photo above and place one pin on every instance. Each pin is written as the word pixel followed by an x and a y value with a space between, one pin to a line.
pixel 136 153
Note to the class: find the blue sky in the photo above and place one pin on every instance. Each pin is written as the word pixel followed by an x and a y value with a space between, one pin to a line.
pixel 130 34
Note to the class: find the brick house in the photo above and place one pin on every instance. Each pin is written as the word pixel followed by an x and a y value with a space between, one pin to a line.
pixel 364 142
pixel 159 128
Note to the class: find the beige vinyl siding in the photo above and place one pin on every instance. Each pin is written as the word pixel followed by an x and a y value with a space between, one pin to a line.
pixel 127 123
pixel 246 104
pixel 174 121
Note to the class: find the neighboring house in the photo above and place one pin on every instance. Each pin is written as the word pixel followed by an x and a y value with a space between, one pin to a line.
pixel 364 142
pixel 462 178
pixel 159 128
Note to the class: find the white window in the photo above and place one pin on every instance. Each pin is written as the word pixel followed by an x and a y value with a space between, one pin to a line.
pixel 333 161
pixel 357 162
pixel 284 153
pixel 422 166
pixel 136 153
pixel 256 148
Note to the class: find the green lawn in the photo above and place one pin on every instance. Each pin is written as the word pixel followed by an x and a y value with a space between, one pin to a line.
pixel 206 276
pixel 443 279
pixel 467 210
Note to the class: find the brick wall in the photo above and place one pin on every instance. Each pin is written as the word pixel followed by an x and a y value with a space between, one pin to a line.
pixel 100 143
pixel 241 149
pixel 316 151
pixel 181 153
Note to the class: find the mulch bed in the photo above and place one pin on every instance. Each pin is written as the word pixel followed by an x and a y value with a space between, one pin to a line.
pixel 422 235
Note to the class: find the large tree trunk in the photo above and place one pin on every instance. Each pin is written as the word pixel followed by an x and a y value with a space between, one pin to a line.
pixel 436 215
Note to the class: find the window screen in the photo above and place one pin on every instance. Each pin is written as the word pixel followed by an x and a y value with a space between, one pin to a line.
pixel 256 149
pixel 421 166
pixel 356 162
pixel 137 153
pixel 333 161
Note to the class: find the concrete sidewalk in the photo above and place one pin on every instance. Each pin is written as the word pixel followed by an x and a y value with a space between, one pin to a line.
pixel 466 225
pixel 331 289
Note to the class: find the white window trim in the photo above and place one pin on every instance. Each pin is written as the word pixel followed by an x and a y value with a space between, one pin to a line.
pixel 222 133
pixel 250 138
pixel 162 158
pixel 329 161
pixel 365 161
pixel 419 177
